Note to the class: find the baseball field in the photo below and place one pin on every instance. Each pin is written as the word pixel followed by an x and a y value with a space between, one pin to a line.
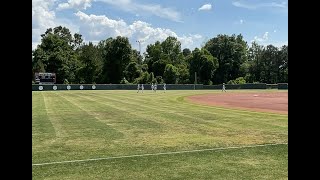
pixel 177 134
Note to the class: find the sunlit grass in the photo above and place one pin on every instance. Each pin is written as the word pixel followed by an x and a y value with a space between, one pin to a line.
pixel 69 125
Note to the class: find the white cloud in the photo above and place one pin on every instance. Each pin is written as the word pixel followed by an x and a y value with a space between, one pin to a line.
pixel 265 41
pixel 264 38
pixel 265 35
pixel 76 4
pixel 247 5
pixel 205 7
pixel 241 21
pixel 275 31
pixel 44 17
pixel 154 9
pixel 99 27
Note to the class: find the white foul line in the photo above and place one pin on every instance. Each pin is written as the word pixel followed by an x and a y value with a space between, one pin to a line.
pixel 156 154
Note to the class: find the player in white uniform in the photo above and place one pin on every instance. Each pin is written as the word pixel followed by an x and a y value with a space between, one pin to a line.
pixel 138 88
pixel 142 88
pixel 152 87
pixel 223 88
pixel 155 87
pixel 164 87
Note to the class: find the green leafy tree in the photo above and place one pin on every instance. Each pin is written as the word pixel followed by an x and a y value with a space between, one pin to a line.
pixel 55 54
pixel 91 63
pixel 171 74
pixel 239 80
pixel 186 52
pixel 116 56
pixel 204 64
pixel 132 72
pixel 231 52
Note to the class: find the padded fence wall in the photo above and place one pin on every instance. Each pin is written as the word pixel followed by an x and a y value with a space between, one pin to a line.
pixel 238 86
pixel 282 85
pixel 52 87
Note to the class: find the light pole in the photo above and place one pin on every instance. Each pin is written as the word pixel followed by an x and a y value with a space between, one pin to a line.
pixel 138 41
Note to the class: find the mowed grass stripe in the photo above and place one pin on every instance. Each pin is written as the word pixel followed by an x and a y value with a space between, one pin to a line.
pixel 183 109
pixel 84 125
pixel 120 116
pixel 245 129
pixel 156 154
pixel 269 162
pixel 179 103
pixel 173 116
pixel 41 125
pixel 87 117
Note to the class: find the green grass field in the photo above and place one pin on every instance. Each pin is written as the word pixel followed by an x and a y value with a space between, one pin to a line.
pixel 77 125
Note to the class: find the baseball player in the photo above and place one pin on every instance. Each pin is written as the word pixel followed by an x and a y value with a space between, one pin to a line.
pixel 152 87
pixel 138 88
pixel 164 87
pixel 142 88
pixel 223 88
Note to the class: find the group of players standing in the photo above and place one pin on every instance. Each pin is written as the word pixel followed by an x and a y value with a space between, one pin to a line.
pixel 153 87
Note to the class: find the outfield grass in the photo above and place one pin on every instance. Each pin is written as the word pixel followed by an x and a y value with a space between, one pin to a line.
pixel 72 125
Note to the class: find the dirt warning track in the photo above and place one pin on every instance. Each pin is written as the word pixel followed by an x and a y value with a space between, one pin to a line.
pixel 276 102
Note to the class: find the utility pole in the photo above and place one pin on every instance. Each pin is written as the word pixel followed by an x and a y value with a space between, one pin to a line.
pixel 138 41
pixel 195 80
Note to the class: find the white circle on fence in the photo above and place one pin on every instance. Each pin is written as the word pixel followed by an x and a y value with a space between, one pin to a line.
pixel 40 88
pixel 55 87
pixel 93 87
pixel 68 87
pixel 81 87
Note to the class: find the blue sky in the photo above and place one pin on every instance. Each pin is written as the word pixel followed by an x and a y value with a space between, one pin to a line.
pixel 193 22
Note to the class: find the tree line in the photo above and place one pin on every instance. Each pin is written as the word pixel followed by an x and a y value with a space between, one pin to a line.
pixel 222 59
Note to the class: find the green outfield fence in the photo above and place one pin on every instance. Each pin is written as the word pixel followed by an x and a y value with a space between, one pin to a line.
pixel 52 87
pixel 238 86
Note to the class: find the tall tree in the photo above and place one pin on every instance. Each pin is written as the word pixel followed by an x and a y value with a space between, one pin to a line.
pixel 91 63
pixel 56 54
pixel 116 56
pixel 204 64
pixel 186 52
pixel 231 52
pixel 283 55
pixel 153 54
pixel 172 48
pixel 270 65
pixel 255 63
pixel 132 71
pixel 171 74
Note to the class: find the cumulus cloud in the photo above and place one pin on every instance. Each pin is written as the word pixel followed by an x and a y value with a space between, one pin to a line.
pixel 76 4
pixel 205 7
pixel 154 9
pixel 99 27
pixel 250 5
pixel 43 17
pixel 264 38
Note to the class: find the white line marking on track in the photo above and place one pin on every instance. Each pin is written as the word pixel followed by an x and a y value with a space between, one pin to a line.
pixel 157 154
